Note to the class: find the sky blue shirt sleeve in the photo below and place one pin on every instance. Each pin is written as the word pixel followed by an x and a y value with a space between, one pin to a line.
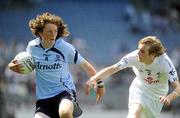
pixel 74 56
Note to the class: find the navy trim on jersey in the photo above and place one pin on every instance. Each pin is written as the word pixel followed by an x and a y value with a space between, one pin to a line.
pixel 76 57
pixel 37 46
pixel 54 50
pixel 41 46
pixel 57 51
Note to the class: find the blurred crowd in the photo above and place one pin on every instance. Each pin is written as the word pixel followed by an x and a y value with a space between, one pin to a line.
pixel 148 17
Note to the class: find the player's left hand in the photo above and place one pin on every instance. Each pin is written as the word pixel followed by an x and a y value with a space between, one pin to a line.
pixel 98 87
pixel 100 91
pixel 165 100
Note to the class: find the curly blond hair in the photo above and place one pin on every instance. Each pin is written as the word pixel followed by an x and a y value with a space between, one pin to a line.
pixel 36 25
pixel 154 44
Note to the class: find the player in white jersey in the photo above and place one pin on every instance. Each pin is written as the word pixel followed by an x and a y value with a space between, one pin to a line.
pixel 153 68
pixel 55 89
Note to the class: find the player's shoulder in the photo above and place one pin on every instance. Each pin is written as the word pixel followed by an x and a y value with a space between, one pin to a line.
pixel 164 60
pixel 131 57
pixel 164 57
pixel 62 43
pixel 132 54
pixel 34 42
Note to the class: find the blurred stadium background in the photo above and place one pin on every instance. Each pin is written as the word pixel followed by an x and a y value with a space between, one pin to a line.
pixel 103 31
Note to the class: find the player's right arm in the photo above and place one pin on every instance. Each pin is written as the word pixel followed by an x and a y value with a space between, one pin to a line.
pixel 15 66
pixel 125 62
pixel 106 72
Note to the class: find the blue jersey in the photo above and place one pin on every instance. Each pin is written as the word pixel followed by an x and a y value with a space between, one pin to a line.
pixel 52 67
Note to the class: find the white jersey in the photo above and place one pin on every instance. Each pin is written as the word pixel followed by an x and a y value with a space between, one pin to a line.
pixel 52 67
pixel 151 80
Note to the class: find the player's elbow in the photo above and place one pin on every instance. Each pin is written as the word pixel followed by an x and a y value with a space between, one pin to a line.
pixel 113 69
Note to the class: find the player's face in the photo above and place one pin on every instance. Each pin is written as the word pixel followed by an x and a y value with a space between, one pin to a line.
pixel 49 32
pixel 143 53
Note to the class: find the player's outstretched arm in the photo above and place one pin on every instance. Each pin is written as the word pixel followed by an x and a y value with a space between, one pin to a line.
pixel 98 79
pixel 106 72
pixel 166 100
pixel 99 87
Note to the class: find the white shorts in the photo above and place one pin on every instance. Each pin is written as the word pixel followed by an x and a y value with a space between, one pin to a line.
pixel 150 108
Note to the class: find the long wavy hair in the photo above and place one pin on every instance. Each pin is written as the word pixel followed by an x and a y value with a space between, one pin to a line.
pixel 36 25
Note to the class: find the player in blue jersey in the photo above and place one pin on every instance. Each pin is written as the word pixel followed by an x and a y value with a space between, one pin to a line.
pixel 55 90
